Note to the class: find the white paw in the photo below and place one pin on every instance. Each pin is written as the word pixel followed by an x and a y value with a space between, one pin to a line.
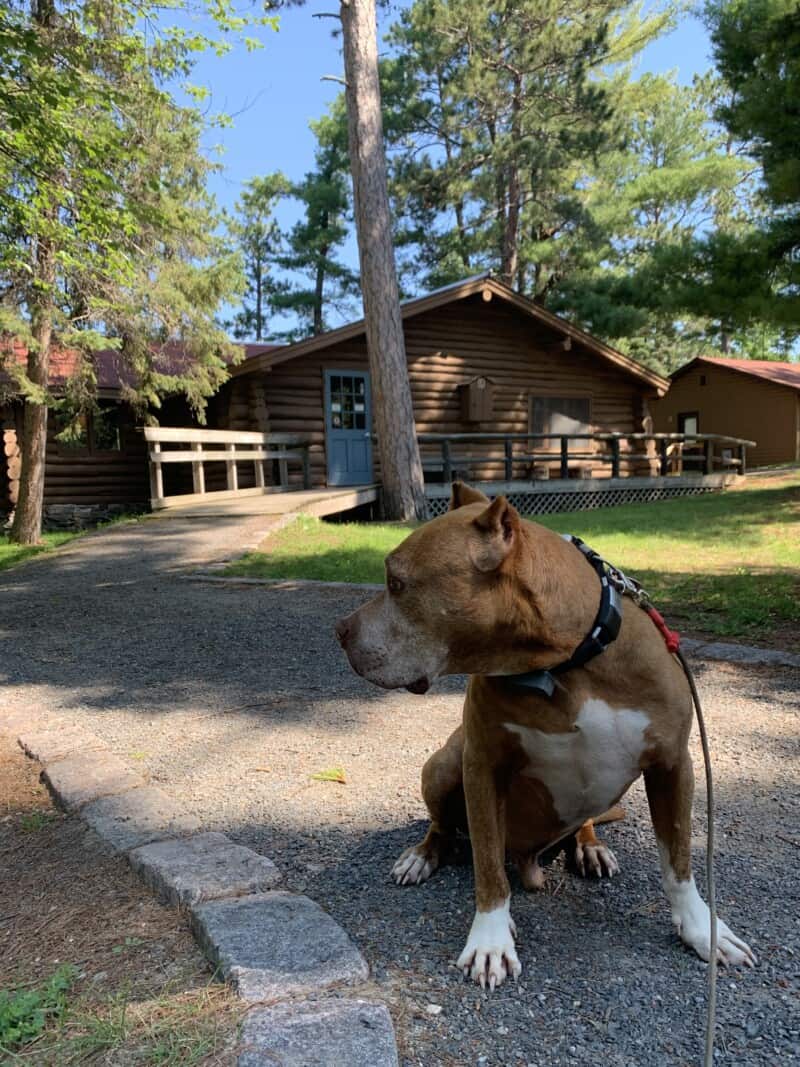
pixel 413 868
pixel 489 954
pixel 596 859
pixel 695 930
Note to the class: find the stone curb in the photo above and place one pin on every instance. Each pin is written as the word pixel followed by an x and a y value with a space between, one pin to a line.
pixel 269 944
pixel 328 1033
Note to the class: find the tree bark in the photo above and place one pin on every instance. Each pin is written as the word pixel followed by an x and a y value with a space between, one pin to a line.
pixel 26 528
pixel 401 469
pixel 319 286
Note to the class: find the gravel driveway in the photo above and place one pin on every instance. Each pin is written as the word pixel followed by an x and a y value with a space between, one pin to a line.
pixel 231 697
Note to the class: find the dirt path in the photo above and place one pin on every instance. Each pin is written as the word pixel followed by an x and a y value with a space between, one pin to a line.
pixel 231 697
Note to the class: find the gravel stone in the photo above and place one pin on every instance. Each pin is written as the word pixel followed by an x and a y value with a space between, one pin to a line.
pixel 138 817
pixel 80 779
pixel 328 1033
pixel 53 744
pixel 277 944
pixel 203 867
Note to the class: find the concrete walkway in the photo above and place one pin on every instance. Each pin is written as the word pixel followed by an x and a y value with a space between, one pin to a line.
pixel 229 698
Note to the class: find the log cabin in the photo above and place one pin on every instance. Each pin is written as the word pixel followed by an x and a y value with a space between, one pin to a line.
pixel 104 471
pixel 753 398
pixel 481 358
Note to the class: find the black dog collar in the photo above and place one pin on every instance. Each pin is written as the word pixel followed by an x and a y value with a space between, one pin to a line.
pixel 604 630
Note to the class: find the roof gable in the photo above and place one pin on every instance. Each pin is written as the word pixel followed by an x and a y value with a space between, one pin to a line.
pixel 481 283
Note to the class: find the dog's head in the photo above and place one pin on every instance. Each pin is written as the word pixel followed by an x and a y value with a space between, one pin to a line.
pixel 456 599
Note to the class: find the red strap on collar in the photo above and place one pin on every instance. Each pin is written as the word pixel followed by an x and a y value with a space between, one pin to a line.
pixel 672 639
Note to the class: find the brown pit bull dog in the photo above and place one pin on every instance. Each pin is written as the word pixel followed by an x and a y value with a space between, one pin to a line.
pixel 479 591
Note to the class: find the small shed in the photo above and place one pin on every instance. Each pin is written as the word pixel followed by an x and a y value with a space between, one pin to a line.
pixel 752 398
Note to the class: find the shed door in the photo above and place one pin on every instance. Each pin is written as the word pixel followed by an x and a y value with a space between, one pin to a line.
pixel 348 427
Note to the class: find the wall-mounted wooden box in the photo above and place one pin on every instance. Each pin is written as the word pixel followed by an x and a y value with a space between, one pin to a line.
pixel 477 400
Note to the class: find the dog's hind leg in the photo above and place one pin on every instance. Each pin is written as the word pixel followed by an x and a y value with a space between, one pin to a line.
pixel 443 793
pixel 669 793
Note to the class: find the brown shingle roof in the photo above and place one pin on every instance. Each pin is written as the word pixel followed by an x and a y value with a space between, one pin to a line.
pixel 771 370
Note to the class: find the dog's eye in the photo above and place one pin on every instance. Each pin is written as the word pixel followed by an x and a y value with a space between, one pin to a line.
pixel 395 585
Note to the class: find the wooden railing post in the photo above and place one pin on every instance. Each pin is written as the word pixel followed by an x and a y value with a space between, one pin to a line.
pixel 742 459
pixel 198 471
pixel 156 476
pixel 615 457
pixel 708 452
pixel 230 468
pixel 564 457
pixel 447 468
pixel 663 461
pixel 306 467
pixel 508 447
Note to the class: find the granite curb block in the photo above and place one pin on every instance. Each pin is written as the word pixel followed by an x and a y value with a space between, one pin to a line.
pixel 56 743
pixel 138 817
pixel 203 867
pixel 77 780
pixel 273 945
pixel 326 1033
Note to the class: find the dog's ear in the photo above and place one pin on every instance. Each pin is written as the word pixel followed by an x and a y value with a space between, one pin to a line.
pixel 464 494
pixel 499 529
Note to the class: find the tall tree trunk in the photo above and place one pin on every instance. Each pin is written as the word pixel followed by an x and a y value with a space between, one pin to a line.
pixel 401 469
pixel 27 526
pixel 259 302
pixel 508 271
pixel 319 287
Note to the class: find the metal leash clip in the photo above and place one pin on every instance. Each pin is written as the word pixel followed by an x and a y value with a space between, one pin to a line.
pixel 627 586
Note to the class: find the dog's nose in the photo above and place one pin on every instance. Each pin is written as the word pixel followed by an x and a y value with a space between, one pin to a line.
pixel 342 629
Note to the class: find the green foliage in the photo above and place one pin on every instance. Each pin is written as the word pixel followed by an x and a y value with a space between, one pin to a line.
pixel 106 228
pixel 313 243
pixel 255 232
pixel 24 1013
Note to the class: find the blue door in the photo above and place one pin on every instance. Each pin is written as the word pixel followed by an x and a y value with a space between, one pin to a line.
pixel 348 427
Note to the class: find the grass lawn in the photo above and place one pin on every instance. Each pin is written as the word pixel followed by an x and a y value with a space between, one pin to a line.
pixel 725 564
pixel 11 554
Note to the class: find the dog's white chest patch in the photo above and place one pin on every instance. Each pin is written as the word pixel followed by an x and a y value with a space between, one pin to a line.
pixel 588 768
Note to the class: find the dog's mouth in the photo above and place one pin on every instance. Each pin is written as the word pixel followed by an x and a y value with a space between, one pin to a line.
pixel 421 685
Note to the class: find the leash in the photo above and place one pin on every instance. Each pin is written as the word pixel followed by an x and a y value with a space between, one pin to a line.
pixel 604 630
pixel 633 589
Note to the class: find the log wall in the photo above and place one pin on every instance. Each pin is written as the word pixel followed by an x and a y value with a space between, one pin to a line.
pixel 446 348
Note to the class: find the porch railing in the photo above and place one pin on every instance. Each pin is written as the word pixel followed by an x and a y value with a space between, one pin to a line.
pixel 231 447
pixel 521 455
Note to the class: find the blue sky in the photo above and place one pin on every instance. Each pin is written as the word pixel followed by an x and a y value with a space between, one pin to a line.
pixel 275 92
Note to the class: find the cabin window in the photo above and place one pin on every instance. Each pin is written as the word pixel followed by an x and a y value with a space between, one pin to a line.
pixel 689 422
pixel 702 379
pixel 96 431
pixel 561 415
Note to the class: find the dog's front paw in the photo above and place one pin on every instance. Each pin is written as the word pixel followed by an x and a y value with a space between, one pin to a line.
pixel 695 931
pixel 595 859
pixel 489 954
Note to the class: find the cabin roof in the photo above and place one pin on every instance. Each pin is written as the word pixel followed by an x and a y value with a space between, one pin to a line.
pixel 780 373
pixel 112 374
pixel 448 294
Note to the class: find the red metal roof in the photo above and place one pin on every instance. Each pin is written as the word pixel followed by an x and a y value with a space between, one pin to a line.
pixel 770 370
pixel 111 370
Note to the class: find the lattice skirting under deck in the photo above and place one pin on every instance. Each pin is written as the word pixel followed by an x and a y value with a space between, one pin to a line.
pixel 546 502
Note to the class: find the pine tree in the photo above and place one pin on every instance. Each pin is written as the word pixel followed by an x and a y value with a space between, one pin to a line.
pixel 254 230
pixel 313 243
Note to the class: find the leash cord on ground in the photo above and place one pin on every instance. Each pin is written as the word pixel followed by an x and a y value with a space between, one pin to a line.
pixel 708 1059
